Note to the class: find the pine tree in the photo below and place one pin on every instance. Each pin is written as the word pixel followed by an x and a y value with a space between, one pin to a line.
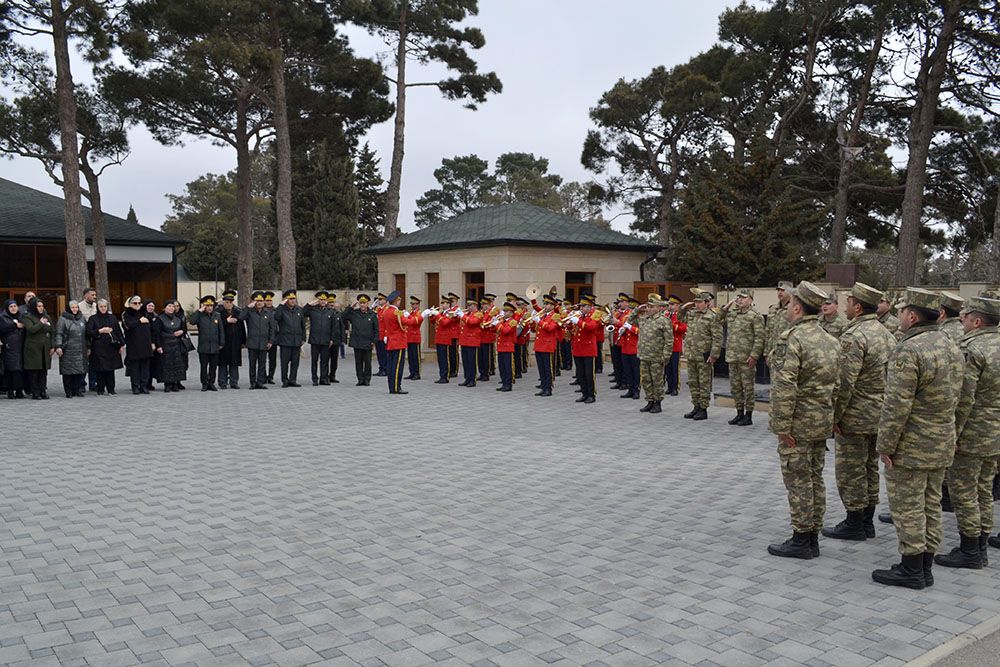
pixel 371 208
pixel 132 217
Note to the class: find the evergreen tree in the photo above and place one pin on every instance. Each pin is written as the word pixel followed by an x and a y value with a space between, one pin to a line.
pixel 371 209
pixel 132 217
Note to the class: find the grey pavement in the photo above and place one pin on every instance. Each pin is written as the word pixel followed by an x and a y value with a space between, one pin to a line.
pixel 340 525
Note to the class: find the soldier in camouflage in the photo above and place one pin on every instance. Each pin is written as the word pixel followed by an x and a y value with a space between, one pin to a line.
pixel 888 320
pixel 702 347
pixel 977 427
pixel 865 347
pixel 744 346
pixel 805 368
pixel 916 435
pixel 829 317
pixel 656 340
pixel 948 319
pixel 777 319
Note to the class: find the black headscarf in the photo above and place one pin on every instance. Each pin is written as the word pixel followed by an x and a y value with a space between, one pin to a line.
pixel 16 315
pixel 33 308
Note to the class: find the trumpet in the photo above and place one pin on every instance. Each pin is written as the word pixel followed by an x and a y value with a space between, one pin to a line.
pixel 567 316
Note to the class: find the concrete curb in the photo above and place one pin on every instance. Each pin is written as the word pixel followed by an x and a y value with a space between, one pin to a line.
pixel 977 633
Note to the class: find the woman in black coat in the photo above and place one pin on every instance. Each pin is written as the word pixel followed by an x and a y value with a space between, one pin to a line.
pixel 12 336
pixel 139 348
pixel 149 308
pixel 168 329
pixel 106 340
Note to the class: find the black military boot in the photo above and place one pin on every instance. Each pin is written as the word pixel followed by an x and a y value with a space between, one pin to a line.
pixel 885 517
pixel 737 419
pixel 701 415
pixel 814 543
pixel 965 555
pixel 928 564
pixel 656 409
pixel 869 524
pixel 797 547
pixel 851 528
pixel 690 415
pixel 747 419
pixel 647 407
pixel 909 572
pixel 984 548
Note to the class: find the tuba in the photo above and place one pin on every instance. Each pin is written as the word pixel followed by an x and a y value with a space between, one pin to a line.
pixel 532 292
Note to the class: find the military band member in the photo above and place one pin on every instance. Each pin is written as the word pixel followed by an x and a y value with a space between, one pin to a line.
pixel 211 338
pixel 506 337
pixel 231 355
pixel 396 322
pixel 380 352
pixel 325 327
pixel 523 338
pixel 546 329
pixel 363 324
pixel 627 335
pixel 744 346
pixel 977 426
pixel 583 329
pixel 489 336
pixel 805 368
pixel 777 318
pixel 656 339
pixel 948 320
pixel 272 353
pixel 618 316
pixel 443 321
pixel 469 338
pixel 704 346
pixel 916 435
pixel 865 347
pixel 673 368
pixel 456 327
pixel 261 331
pixel 414 339
pixel 829 317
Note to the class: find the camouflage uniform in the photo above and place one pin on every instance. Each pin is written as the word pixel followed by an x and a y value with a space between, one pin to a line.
pixel 806 375
pixel 777 324
pixel 864 352
pixel 704 338
pixel 834 327
pixel 891 322
pixel 745 339
pixel 917 428
pixel 977 425
pixel 953 327
pixel 656 342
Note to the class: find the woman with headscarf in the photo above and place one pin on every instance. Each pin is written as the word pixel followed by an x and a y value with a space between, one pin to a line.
pixel 71 348
pixel 168 329
pixel 139 347
pixel 106 340
pixel 185 353
pixel 37 348
pixel 12 335
pixel 149 308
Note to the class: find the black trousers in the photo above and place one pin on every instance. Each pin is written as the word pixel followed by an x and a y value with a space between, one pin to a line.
pixel 672 372
pixel 413 359
pixel 105 380
pixel 209 367
pixel 544 361
pixel 320 358
pixel 258 366
pixel 229 374
pixel 616 363
pixel 289 363
pixel 444 361
pixel 505 364
pixel 37 381
pixel 138 373
pixel 566 350
pixel 585 376
pixel 380 354
pixel 363 364
pixel 71 383
pixel 520 361
pixel 630 372
pixel 469 356
pixel 599 359
pixel 395 369
pixel 272 363
pixel 453 359
pixel 492 358
pixel 483 361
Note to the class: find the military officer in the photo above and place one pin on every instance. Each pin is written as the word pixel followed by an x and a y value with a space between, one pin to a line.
pixel 261 331
pixel 291 335
pixel 888 320
pixel 324 320
pixel 673 369
pixel 744 346
pixel 362 322
pixel 805 365
pixel 381 357
pixel 704 347
pixel 977 426
pixel 656 339
pixel 272 352
pixel 948 320
pixel 830 318
pixel 916 435
pixel 231 355
pixel 777 319
pixel 211 338
pixel 396 322
pixel 865 347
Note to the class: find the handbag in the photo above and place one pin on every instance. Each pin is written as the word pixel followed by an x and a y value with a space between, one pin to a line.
pixel 187 342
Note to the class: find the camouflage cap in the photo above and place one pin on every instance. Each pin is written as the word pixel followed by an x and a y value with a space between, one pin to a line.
pixel 744 293
pixel 785 285
pixel 919 298
pixel 951 301
pixel 866 294
pixel 704 295
pixel 991 293
pixel 809 294
pixel 655 299
pixel 980 304
pixel 696 291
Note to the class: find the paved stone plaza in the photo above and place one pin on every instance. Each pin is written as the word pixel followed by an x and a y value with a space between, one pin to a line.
pixel 341 525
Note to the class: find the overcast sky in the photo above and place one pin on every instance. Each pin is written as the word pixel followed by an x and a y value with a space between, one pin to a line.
pixel 555 58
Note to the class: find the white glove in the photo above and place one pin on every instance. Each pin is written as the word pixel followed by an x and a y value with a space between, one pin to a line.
pixel 386 340
pixel 627 326
pixel 574 320
pixel 427 313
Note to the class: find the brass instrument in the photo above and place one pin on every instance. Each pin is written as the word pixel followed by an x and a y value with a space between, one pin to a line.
pixel 532 292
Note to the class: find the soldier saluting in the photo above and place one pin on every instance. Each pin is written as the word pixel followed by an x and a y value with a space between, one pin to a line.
pixel 260 333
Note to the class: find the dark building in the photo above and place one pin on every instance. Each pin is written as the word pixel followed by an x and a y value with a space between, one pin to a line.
pixel 33 252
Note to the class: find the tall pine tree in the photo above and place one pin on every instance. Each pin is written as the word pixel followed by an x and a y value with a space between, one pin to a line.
pixel 371 209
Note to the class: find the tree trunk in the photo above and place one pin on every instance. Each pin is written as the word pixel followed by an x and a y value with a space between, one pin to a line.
pixel 244 203
pixel 928 85
pixel 996 240
pixel 76 236
pixel 399 123
pixel 97 231
pixel 283 157
pixel 838 236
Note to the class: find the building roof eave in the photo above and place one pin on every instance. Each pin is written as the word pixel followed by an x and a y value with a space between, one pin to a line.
pixel 493 243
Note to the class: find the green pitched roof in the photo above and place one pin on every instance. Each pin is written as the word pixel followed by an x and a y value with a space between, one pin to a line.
pixel 512 224
pixel 28 215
